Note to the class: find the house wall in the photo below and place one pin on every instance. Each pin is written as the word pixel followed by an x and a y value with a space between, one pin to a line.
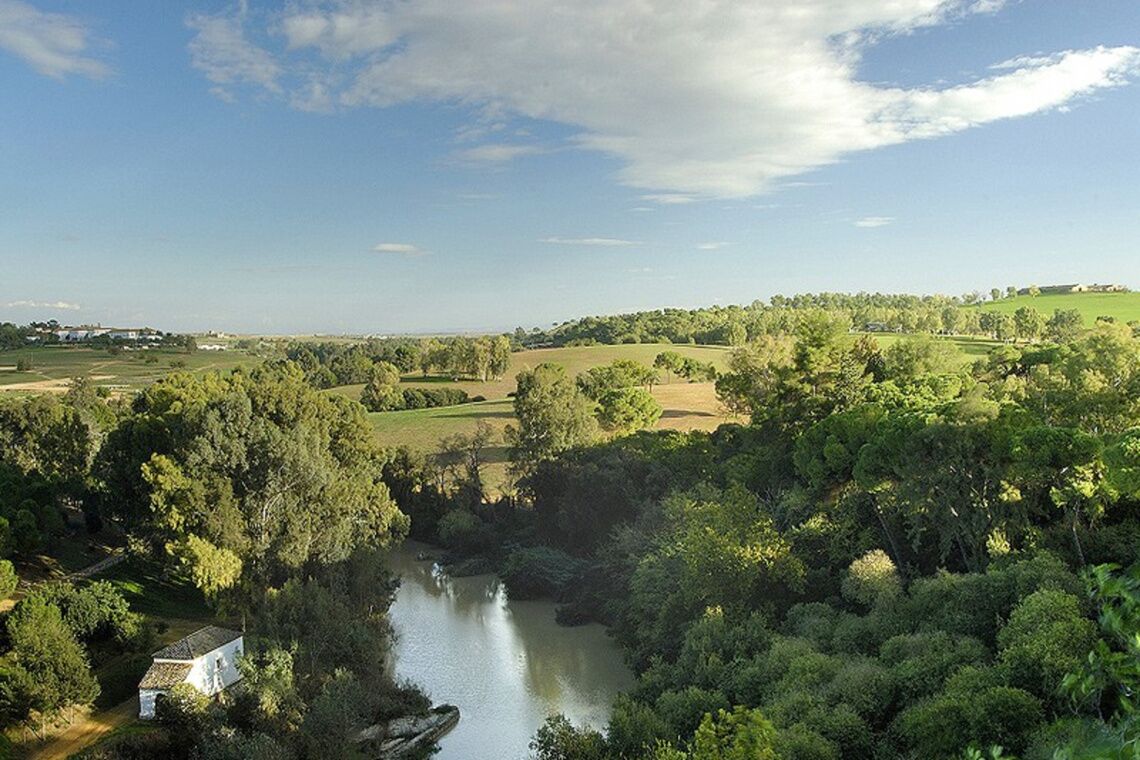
pixel 216 670
pixel 146 702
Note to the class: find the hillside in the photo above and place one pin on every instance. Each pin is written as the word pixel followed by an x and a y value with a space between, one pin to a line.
pixel 1124 307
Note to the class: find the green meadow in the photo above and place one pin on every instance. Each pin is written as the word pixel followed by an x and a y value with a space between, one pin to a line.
pixel 1124 307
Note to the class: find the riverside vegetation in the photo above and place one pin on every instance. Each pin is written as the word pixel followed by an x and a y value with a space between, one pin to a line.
pixel 898 553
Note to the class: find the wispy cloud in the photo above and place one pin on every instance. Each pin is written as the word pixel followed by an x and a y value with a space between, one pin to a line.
pixel 874 221
pixel 496 153
pixel 595 241
pixel 59 305
pixel 712 245
pixel 399 249
pixel 221 50
pixel 758 93
pixel 53 44
pixel 669 199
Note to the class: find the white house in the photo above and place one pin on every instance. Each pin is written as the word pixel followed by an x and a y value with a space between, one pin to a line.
pixel 206 659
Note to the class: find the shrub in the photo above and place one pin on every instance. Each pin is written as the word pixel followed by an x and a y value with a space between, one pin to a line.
pixel 871 578
pixel 8 579
pixel 540 572
pixel 1045 638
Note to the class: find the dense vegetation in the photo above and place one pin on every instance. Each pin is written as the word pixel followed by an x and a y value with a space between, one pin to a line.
pixel 877 312
pixel 895 555
pixel 893 559
pixel 256 489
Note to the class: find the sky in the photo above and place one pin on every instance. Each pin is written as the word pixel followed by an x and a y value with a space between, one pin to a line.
pixel 395 166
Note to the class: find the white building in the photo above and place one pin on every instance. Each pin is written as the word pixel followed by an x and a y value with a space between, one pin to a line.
pixel 206 659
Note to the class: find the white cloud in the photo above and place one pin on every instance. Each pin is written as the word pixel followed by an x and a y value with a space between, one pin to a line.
pixel 403 249
pixel 712 245
pixel 595 241
pixel 496 153
pixel 51 43
pixel 221 51
pixel 874 221
pixel 63 305
pixel 695 100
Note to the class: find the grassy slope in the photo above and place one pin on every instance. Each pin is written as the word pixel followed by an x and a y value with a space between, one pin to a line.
pixel 1125 307
pixel 127 370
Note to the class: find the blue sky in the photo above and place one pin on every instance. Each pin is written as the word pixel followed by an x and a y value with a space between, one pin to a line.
pixel 429 165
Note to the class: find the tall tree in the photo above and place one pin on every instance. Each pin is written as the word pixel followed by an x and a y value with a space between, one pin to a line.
pixel 553 416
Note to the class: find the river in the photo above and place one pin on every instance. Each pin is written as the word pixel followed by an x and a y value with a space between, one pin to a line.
pixel 506 665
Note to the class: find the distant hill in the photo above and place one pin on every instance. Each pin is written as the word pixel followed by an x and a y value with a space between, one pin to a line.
pixel 1124 307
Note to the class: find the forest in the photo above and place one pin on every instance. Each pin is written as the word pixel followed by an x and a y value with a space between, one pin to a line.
pixel 896 556
pixel 893 553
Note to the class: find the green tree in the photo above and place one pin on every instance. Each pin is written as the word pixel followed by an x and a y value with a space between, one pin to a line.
pixel 742 734
pixel 8 579
pixel 1029 324
pixel 44 648
pixel 259 465
pixel 1064 325
pixel 553 416
pixel 625 410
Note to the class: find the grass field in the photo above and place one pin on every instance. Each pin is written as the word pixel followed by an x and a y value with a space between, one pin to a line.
pixel 971 348
pixel 1124 307
pixel 686 406
pixel 53 366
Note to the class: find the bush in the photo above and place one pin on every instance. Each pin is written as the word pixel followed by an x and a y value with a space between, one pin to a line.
pixel 1045 638
pixel 8 579
pixel 540 572
pixel 871 579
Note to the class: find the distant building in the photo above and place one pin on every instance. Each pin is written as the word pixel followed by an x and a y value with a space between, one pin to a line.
pixel 206 659
pixel 1076 288
pixel 877 327
pixel 212 347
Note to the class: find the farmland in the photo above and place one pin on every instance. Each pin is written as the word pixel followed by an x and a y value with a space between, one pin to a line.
pixel 1123 307
pixel 51 367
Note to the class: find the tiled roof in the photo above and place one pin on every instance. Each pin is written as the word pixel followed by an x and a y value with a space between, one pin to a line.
pixel 197 644
pixel 165 675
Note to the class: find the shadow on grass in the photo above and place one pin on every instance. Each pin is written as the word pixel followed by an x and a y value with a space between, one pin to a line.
pixel 672 414
pixel 153 593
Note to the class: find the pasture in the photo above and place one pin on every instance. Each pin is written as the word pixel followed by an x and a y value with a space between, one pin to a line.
pixel 128 370
pixel 1123 307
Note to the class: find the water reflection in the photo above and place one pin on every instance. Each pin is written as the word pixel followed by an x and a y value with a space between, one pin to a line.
pixel 507 665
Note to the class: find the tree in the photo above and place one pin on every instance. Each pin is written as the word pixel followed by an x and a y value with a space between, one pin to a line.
pixel 1011 291
pixel 1034 291
pixel 553 416
pixel 45 649
pixel 184 712
pixel 257 465
pixel 871 579
pixel 995 294
pixel 670 361
pixel 1029 323
pixel 742 734
pixel 380 396
pixel 1064 325
pixel 8 579
pixel 559 739
pixel 212 569
pixel 625 410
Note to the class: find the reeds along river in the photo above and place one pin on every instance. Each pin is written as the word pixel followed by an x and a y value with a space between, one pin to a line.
pixel 506 665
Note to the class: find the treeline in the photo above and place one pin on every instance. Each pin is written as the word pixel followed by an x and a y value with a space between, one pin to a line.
pixel 330 364
pixel 898 557
pixel 736 325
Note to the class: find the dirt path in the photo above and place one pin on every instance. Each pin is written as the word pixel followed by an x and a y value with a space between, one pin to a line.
pixel 86 731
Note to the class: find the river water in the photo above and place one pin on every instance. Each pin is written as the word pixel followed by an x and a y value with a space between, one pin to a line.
pixel 506 665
